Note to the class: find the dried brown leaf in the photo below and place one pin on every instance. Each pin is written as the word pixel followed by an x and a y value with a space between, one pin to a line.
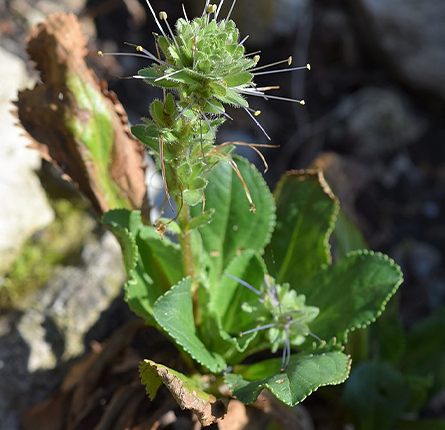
pixel 52 114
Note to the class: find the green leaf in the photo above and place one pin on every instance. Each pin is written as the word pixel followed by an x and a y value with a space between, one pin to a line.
pixel 174 313
pixel 152 73
pixel 377 395
pixel 148 135
pixel 186 392
pixel 234 228
pixel 304 374
pixel 306 213
pixel 192 197
pixel 426 352
pixel 201 220
pixel 125 225
pixel 153 265
pixel 228 295
pixel 353 293
pixel 347 237
pixel 420 425
pixel 239 79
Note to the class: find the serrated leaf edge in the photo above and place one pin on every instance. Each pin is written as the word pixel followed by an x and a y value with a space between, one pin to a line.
pixel 339 381
pixel 393 264
pixel 327 190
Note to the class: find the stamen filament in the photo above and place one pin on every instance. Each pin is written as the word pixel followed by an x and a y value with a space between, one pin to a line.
pixel 230 11
pixel 292 69
pixel 208 122
pixel 242 42
pixel 168 75
pixel 182 112
pixel 157 22
pixel 253 330
pixel 219 9
pixel 244 283
pixel 185 14
pixel 258 94
pixel 205 7
pixel 140 48
pixel 257 123
pixel 164 17
pixel 287 60
pixel 218 109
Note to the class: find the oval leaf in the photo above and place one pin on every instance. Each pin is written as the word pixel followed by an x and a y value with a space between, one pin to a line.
pixel 234 228
pixel 353 293
pixel 304 374
pixel 174 313
pixel 306 213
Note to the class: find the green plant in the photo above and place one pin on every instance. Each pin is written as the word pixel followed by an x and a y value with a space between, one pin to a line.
pixel 259 266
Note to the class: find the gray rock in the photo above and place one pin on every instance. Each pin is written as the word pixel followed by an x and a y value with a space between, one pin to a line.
pixel 379 121
pixel 23 205
pixel 37 342
pixel 411 35
pixel 264 20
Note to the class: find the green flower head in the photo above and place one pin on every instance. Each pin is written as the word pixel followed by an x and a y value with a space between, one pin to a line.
pixel 202 67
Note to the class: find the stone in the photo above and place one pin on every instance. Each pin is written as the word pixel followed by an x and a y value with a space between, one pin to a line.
pixel 23 205
pixel 38 341
pixel 411 36
pixel 277 18
pixel 379 121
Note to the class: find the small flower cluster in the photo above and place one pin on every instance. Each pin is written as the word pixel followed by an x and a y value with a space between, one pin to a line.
pixel 281 312
pixel 203 63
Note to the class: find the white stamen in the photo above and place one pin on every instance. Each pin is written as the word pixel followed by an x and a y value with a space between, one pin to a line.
pixel 123 54
pixel 163 16
pixel 205 8
pixel 208 123
pixel 140 48
pixel 287 60
pixel 253 330
pixel 168 75
pixel 219 9
pixel 143 77
pixel 247 285
pixel 242 42
pixel 185 14
pixel 182 112
pixel 250 92
pixel 293 69
pixel 258 124
pixel 252 53
pixel 230 11
pixel 218 109
pixel 156 20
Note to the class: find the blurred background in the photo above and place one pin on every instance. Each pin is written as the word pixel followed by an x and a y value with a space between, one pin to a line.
pixel 373 119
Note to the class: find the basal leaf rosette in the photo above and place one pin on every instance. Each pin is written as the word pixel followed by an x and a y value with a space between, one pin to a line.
pixel 349 294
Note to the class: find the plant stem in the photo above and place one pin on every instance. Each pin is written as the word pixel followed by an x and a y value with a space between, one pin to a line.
pixel 188 262
pixel 185 241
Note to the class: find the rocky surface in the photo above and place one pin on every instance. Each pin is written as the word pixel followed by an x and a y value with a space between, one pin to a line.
pixel 23 205
pixel 379 121
pixel 410 34
pixel 54 327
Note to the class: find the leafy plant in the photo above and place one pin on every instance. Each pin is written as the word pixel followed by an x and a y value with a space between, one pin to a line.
pixel 242 271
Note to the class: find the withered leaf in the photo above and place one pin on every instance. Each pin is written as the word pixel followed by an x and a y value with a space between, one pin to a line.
pixel 76 123
pixel 207 407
